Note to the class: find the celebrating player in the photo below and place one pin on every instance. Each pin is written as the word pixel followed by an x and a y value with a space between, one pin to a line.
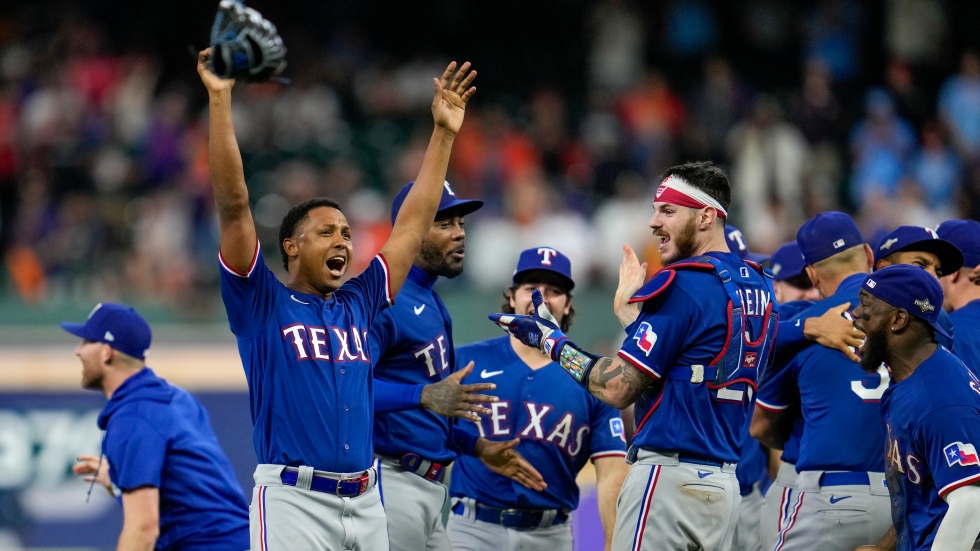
pixel 962 296
pixel 303 343
pixel 841 473
pixel 560 428
pixel 705 326
pixel 412 345
pixel 177 487
pixel 932 413
pixel 789 276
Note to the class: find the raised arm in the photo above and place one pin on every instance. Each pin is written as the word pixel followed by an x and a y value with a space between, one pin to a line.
pixel 418 211
pixel 237 230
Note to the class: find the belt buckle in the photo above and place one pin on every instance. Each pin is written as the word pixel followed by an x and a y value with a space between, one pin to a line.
pixel 361 481
pixel 510 513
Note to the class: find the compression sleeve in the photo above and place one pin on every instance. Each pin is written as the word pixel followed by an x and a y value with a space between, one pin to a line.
pixel 389 397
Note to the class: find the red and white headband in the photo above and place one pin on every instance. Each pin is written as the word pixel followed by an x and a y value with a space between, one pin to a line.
pixel 676 191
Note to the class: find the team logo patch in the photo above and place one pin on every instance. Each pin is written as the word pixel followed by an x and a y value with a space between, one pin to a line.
pixel 750 359
pixel 744 272
pixel 888 244
pixel 661 189
pixel 924 305
pixel 645 337
pixel 616 428
pixel 962 454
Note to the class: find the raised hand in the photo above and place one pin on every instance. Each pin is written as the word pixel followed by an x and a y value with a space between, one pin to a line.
pixel 453 90
pixel 449 398
pixel 212 82
pixel 632 275
pixel 834 331
pixel 503 459
pixel 90 468
pixel 539 330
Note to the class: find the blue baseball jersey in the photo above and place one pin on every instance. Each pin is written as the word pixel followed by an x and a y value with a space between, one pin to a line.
pixel 307 364
pixel 685 324
pixel 839 402
pixel 933 427
pixel 411 343
pixel 968 339
pixel 561 426
pixel 158 435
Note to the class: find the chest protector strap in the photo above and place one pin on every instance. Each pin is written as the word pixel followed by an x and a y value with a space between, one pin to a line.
pixel 744 356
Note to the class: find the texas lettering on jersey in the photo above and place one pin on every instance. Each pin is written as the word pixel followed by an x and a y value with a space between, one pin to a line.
pixel 906 464
pixel 311 343
pixel 557 429
pixel 435 351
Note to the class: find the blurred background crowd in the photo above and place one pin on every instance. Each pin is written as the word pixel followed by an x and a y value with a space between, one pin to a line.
pixel 872 107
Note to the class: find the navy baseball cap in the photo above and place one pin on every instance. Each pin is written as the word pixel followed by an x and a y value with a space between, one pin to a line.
pixel 787 262
pixel 827 234
pixel 448 201
pixel 117 325
pixel 965 234
pixel 910 288
pixel 917 238
pixel 544 258
pixel 736 244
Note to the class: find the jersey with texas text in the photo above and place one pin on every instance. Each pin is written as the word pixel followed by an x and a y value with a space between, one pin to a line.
pixel 307 365
pixel 839 402
pixel 933 430
pixel 684 327
pixel 411 344
pixel 561 427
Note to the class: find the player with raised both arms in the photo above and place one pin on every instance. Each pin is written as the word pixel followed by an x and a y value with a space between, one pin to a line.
pixel 690 363
pixel 417 391
pixel 931 413
pixel 303 343
pixel 560 426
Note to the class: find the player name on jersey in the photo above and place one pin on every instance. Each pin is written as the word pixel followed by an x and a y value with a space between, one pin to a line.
pixel 755 302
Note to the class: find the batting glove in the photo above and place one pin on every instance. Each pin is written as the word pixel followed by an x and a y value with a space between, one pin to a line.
pixel 539 330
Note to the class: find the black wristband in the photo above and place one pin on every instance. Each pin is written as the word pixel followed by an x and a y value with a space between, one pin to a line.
pixel 577 362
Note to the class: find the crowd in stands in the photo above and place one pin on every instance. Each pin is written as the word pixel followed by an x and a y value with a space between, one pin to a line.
pixel 104 186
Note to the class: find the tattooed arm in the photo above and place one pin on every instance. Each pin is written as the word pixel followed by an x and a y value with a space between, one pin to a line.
pixel 617 382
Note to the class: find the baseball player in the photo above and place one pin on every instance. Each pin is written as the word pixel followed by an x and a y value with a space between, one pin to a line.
pixel 303 343
pixel 690 364
pixel 560 427
pixel 931 413
pixel 412 347
pixel 162 459
pixel 962 296
pixel 918 246
pixel 789 276
pixel 841 497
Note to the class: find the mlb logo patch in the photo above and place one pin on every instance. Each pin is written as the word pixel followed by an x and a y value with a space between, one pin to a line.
pixel 871 283
pixel 750 359
pixel 961 454
pixel 616 428
pixel 645 337
pixel 744 272
pixel 839 243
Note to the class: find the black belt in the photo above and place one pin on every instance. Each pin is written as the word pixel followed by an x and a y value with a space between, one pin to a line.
pixel 681 456
pixel 511 518
pixel 346 487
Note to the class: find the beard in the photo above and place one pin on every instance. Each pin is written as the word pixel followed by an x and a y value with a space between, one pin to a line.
pixel 438 263
pixel 874 353
pixel 684 243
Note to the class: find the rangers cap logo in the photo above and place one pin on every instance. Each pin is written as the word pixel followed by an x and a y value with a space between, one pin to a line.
pixel 924 305
pixel 645 337
pixel 959 453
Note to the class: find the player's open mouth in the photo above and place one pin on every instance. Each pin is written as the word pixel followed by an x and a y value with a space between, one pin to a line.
pixel 663 241
pixel 336 265
pixel 458 253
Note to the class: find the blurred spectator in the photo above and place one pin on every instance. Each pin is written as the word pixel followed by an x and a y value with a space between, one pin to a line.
pixel 769 157
pixel 880 145
pixel 935 169
pixel 819 116
pixel 691 28
pixel 959 106
pixel 652 115
pixel 717 104
pixel 912 103
pixel 916 30
pixel 831 33
pixel 624 220
pixel 617 42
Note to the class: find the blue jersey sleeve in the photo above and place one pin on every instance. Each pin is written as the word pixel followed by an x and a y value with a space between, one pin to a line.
pixel 607 434
pixel 249 297
pixel 779 389
pixel 370 291
pixel 658 335
pixel 949 437
pixel 136 453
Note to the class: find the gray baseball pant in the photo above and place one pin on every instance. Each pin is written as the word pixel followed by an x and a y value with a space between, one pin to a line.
pixel 413 506
pixel 468 534
pixel 748 534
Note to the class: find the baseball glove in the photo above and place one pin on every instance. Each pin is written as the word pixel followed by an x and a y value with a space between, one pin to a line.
pixel 244 45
